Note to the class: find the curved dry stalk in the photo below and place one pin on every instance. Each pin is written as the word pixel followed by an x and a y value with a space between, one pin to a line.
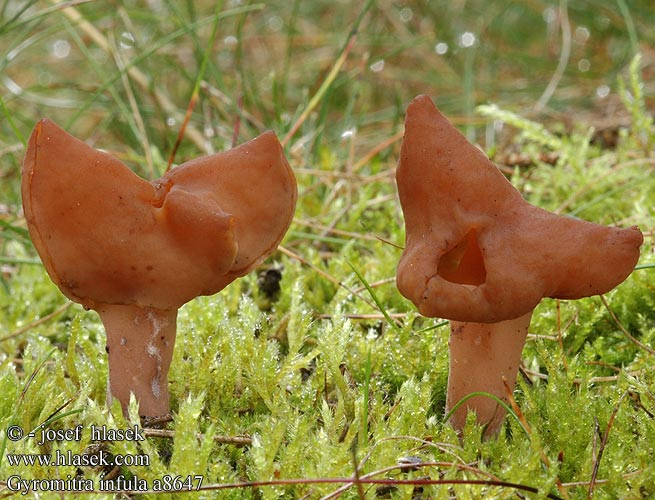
pixel 592 380
pixel 323 273
pixel 316 99
pixel 37 322
pixel 332 230
pixel 135 73
pixel 220 439
pixel 623 329
pixel 599 455
pixel 563 60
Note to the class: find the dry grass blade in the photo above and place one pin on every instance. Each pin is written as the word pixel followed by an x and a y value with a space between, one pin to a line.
pixel 331 76
pixel 603 444
pixel 329 79
pixel 526 426
pixel 371 481
pixel 591 380
pixel 331 230
pixel 618 323
pixel 376 150
pixel 38 322
pixel 563 60
pixel 326 275
pixel 196 88
pixel 365 316
pixel 138 119
pixel 135 73
pixel 170 434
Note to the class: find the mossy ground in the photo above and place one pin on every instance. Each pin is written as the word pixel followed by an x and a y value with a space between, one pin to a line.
pixel 336 375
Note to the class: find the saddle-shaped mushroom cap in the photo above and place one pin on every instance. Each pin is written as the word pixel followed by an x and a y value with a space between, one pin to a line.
pixel 107 236
pixel 135 251
pixel 475 249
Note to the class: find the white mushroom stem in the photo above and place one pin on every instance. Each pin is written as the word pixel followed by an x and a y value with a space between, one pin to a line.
pixel 483 358
pixel 140 344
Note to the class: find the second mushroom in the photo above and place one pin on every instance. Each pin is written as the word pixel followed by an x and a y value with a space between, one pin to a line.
pixel 478 254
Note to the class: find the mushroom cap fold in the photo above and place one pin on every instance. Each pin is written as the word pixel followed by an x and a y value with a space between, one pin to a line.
pixel 475 250
pixel 107 236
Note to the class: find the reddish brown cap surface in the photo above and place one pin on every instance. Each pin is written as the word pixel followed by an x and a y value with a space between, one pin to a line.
pixel 475 249
pixel 106 236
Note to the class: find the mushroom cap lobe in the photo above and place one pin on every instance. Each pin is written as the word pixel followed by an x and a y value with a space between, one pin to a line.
pixel 107 236
pixel 475 249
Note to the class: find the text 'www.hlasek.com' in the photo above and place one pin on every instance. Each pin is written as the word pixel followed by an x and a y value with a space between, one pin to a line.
pixel 107 471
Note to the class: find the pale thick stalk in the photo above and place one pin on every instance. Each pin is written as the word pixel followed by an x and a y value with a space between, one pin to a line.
pixel 140 344
pixel 482 356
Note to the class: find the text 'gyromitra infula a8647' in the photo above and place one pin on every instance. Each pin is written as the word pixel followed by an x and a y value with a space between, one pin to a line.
pixel 478 254
pixel 135 251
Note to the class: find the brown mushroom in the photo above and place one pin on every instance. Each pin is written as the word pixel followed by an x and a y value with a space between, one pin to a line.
pixel 135 251
pixel 478 254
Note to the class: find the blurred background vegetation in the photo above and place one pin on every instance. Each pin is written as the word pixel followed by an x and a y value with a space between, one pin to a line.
pixel 268 59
